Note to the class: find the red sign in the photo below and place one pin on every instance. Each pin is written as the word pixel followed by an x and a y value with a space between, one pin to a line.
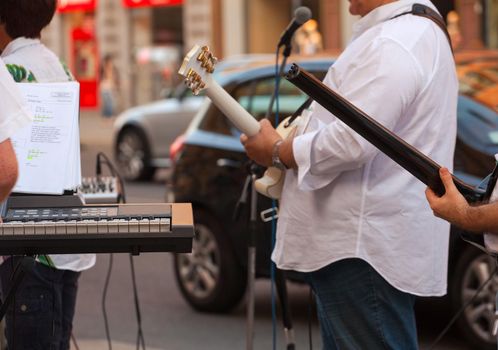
pixel 76 5
pixel 148 3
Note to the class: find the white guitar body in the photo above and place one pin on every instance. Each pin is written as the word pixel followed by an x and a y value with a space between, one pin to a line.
pixel 272 182
pixel 197 68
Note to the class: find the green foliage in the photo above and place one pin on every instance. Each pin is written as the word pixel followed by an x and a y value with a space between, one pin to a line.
pixel 20 74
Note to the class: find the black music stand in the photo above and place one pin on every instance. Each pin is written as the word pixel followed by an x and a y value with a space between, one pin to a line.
pixel 24 266
pixel 254 172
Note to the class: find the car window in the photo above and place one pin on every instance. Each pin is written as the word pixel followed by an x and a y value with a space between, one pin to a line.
pixel 255 97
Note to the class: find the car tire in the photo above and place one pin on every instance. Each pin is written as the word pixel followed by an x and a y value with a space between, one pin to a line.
pixel 133 155
pixel 476 322
pixel 210 278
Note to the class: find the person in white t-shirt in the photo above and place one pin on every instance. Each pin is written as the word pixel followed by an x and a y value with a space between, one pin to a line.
pixel 54 280
pixel 352 220
pixel 13 116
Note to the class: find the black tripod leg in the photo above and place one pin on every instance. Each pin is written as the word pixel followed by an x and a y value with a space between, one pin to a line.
pixel 25 265
pixel 284 303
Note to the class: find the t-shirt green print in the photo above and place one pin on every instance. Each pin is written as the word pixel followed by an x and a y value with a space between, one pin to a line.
pixel 21 74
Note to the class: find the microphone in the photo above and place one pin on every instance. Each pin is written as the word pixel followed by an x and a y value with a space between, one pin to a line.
pixel 301 15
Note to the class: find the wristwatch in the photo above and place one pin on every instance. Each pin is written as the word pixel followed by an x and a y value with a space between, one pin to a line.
pixel 275 158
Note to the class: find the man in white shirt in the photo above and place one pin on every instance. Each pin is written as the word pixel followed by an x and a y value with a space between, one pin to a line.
pixel 13 116
pixel 54 277
pixel 350 218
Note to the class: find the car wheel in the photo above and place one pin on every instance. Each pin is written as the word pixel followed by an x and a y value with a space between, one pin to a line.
pixel 476 323
pixel 210 278
pixel 133 155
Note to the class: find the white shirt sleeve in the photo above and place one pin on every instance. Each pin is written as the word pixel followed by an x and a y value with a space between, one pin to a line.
pixel 382 81
pixel 14 113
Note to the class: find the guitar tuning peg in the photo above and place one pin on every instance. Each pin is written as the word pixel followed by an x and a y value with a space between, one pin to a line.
pixel 208 61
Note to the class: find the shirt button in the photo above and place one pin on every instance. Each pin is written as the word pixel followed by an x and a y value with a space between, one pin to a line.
pixel 23 308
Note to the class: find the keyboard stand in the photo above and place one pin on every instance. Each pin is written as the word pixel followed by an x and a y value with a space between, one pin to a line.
pixel 24 266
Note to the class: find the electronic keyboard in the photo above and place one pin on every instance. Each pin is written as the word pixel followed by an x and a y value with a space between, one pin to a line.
pixel 34 225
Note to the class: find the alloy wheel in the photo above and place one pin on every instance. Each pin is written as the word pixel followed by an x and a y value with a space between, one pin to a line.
pixel 131 155
pixel 199 271
pixel 480 314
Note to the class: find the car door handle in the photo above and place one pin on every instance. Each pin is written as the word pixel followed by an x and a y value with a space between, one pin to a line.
pixel 228 163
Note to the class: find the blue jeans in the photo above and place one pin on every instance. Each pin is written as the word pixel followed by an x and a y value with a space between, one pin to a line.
pixel 41 315
pixel 358 309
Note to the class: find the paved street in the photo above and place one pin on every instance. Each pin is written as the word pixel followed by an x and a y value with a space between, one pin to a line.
pixel 167 321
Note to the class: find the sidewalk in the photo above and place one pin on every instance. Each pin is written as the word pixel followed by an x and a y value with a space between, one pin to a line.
pixel 94 129
pixel 99 344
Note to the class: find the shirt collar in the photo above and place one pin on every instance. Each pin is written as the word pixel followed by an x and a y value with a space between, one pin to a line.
pixel 384 13
pixel 18 44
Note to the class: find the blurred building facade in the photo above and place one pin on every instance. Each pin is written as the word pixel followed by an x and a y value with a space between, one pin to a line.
pixel 148 38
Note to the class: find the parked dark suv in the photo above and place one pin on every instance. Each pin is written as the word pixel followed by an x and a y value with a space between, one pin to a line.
pixel 210 170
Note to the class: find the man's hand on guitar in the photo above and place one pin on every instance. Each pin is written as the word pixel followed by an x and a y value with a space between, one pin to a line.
pixel 452 206
pixel 259 147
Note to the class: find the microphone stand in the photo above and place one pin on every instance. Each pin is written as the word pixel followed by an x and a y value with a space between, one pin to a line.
pixel 254 171
pixel 280 275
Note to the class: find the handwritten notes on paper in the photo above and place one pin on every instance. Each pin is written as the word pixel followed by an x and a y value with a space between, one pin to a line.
pixel 48 150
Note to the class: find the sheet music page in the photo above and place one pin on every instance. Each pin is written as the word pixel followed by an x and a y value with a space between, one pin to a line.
pixel 46 149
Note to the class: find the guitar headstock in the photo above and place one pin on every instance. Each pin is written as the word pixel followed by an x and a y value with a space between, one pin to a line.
pixel 197 64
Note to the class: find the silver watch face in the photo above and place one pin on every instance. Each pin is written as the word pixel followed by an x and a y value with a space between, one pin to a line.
pixel 275 159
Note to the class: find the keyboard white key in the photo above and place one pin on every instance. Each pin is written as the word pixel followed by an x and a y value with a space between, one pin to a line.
pixel 39 228
pixel 8 228
pixel 18 228
pixel 29 228
pixel 71 227
pixel 92 226
pixel 102 226
pixel 49 227
pixel 112 226
pixel 123 226
pixel 133 225
pixel 154 225
pixel 82 227
pixel 164 225
pixel 144 225
pixel 60 227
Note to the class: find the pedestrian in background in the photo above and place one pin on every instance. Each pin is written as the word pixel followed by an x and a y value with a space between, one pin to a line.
pixel 109 86
pixel 308 38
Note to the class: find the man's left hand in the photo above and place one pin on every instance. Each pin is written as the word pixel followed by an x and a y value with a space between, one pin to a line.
pixel 260 146
pixel 452 206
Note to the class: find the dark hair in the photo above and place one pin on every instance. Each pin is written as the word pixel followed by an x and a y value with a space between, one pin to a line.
pixel 26 17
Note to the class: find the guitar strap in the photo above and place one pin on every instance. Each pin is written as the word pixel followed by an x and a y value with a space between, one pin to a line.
pixel 427 12
pixel 299 111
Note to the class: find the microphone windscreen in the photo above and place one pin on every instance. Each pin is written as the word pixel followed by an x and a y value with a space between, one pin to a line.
pixel 302 14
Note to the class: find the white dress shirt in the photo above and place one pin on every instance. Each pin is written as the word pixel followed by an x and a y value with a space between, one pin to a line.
pixel 14 114
pixel 37 58
pixel 347 199
pixel 47 68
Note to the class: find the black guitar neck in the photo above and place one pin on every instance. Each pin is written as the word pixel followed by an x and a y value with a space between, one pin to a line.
pixel 412 160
